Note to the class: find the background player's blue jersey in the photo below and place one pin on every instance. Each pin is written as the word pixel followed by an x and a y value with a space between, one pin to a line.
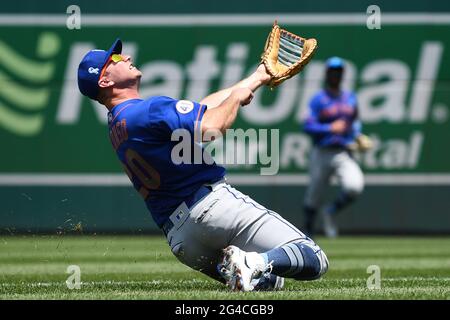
pixel 326 108
pixel 141 131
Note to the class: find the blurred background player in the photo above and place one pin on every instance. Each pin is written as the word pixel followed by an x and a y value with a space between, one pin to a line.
pixel 333 124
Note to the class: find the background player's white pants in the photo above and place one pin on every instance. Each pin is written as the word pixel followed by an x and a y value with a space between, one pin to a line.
pixel 324 163
pixel 226 217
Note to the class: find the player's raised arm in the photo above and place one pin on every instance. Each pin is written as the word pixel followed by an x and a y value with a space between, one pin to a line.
pixel 223 116
pixel 253 82
pixel 223 105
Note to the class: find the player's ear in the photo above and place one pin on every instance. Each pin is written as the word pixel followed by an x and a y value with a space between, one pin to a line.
pixel 104 82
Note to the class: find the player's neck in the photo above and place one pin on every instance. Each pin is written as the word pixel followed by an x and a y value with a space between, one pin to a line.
pixel 122 96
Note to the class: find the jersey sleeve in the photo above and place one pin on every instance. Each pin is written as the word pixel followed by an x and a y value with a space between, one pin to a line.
pixel 312 125
pixel 357 124
pixel 172 114
pixel 356 128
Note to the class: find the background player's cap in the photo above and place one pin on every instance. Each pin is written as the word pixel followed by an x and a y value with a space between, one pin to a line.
pixel 91 66
pixel 335 63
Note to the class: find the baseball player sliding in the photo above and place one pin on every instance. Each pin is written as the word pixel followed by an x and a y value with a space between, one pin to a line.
pixel 210 226
pixel 336 131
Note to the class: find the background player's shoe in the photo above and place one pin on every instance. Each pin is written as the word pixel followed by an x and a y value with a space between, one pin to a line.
pixel 243 270
pixel 329 224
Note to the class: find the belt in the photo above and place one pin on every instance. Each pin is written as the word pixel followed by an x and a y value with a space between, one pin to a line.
pixel 199 194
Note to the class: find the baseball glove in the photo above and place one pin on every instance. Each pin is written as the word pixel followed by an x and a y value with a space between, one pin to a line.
pixel 362 143
pixel 286 54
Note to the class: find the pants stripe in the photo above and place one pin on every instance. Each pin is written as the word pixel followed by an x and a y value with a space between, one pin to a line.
pixel 252 202
pixel 274 214
pixel 298 255
pixel 294 262
pixel 267 211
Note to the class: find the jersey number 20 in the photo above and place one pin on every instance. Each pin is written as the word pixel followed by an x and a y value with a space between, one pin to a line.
pixel 136 166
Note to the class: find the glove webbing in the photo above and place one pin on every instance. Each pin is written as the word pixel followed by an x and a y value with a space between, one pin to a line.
pixel 290 49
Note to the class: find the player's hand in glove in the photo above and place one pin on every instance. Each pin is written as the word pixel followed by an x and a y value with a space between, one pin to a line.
pixel 362 143
pixel 286 54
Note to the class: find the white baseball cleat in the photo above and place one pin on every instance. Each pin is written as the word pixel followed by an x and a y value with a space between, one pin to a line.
pixel 324 263
pixel 243 270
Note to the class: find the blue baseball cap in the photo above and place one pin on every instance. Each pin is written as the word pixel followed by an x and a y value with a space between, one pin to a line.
pixel 335 63
pixel 91 66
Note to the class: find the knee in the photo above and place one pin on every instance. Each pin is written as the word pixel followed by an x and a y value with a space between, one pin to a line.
pixel 315 262
pixel 353 183
pixel 354 189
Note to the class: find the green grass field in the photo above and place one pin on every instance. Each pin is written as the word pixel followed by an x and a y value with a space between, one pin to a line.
pixel 142 267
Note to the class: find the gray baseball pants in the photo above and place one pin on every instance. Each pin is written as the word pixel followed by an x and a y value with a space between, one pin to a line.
pixel 226 217
pixel 324 163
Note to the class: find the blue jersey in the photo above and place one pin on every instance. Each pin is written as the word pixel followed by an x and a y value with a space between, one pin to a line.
pixel 324 109
pixel 141 134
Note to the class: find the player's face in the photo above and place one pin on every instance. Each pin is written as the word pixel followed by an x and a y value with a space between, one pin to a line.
pixel 334 77
pixel 123 72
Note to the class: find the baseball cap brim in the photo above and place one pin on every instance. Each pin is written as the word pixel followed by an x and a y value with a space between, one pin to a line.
pixel 115 48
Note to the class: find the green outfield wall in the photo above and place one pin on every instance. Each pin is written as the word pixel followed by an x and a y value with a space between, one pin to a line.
pixel 58 170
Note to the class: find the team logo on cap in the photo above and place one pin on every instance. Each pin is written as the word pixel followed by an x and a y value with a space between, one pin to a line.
pixel 184 106
pixel 93 70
